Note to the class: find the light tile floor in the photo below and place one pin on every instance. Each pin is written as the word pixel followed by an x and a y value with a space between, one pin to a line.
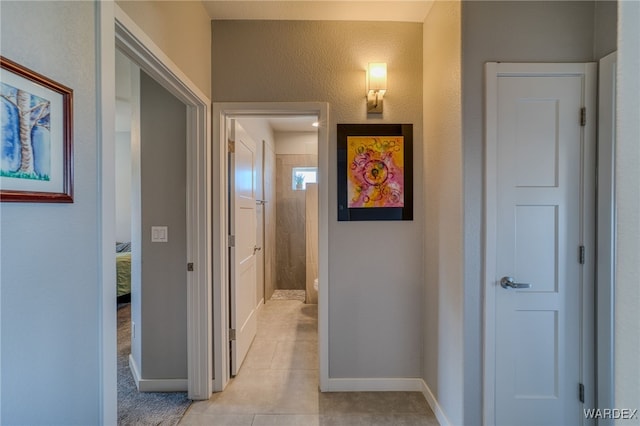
pixel 278 383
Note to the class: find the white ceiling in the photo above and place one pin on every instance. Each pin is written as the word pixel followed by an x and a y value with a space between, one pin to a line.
pixel 292 124
pixel 319 10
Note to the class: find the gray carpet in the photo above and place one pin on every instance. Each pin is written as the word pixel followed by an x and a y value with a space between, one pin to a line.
pixel 142 408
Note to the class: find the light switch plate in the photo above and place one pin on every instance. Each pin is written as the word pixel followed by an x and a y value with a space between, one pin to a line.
pixel 159 234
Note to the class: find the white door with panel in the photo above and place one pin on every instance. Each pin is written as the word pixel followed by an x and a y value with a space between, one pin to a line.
pixel 242 251
pixel 541 153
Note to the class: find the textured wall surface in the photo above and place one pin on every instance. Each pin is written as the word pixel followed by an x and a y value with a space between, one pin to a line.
pixel 163 299
pixel 443 262
pixel 627 304
pixel 182 29
pixel 605 28
pixel 49 267
pixel 375 268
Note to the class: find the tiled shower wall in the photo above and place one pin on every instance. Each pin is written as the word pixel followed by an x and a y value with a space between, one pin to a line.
pixel 290 223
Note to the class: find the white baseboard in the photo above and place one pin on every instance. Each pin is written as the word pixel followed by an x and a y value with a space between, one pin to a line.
pixel 135 371
pixel 374 385
pixel 156 385
pixel 433 403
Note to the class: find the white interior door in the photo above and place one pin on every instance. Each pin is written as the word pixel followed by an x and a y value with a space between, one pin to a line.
pixel 242 255
pixel 539 271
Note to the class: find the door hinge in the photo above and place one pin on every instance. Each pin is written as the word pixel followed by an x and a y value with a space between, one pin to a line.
pixel 232 240
pixel 232 334
pixel 581 392
pixel 232 146
pixel 581 255
pixel 190 266
pixel 583 116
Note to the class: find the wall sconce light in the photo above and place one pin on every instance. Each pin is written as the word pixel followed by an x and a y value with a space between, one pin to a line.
pixel 376 86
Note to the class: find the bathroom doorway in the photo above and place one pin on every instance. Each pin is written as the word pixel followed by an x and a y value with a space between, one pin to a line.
pixel 280 205
pixel 291 158
pixel 287 205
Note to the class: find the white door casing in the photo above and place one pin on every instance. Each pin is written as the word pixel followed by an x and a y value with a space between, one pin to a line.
pixel 117 29
pixel 221 113
pixel 242 253
pixel 540 202
pixel 606 231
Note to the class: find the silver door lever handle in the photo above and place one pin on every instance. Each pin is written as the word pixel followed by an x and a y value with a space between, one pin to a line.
pixel 507 282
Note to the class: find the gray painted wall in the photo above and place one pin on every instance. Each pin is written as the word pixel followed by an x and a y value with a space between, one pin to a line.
pixel 374 293
pixel 181 29
pixel 163 298
pixel 49 268
pixel 527 31
pixel 606 31
pixel 443 262
pixel 627 304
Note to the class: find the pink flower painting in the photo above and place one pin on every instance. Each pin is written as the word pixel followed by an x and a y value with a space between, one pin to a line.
pixel 375 169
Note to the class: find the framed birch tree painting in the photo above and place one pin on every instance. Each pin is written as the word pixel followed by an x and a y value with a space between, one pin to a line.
pixel 36 151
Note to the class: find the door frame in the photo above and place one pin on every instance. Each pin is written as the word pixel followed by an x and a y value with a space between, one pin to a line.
pixel 221 112
pixel 117 29
pixel 494 70
pixel 606 231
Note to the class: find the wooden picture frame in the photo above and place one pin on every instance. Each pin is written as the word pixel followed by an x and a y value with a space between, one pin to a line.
pixel 375 172
pixel 36 137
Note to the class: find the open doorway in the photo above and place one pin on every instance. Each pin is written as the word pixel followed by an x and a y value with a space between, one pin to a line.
pixel 286 190
pixel 119 32
pixel 151 249
pixel 127 95
pixel 224 117
pixel 281 204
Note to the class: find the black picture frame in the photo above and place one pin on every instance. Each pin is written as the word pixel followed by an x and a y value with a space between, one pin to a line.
pixel 347 213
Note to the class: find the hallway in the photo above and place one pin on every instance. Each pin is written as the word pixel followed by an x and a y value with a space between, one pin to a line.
pixel 278 383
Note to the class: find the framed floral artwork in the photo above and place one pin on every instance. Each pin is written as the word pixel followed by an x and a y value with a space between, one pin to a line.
pixel 375 172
